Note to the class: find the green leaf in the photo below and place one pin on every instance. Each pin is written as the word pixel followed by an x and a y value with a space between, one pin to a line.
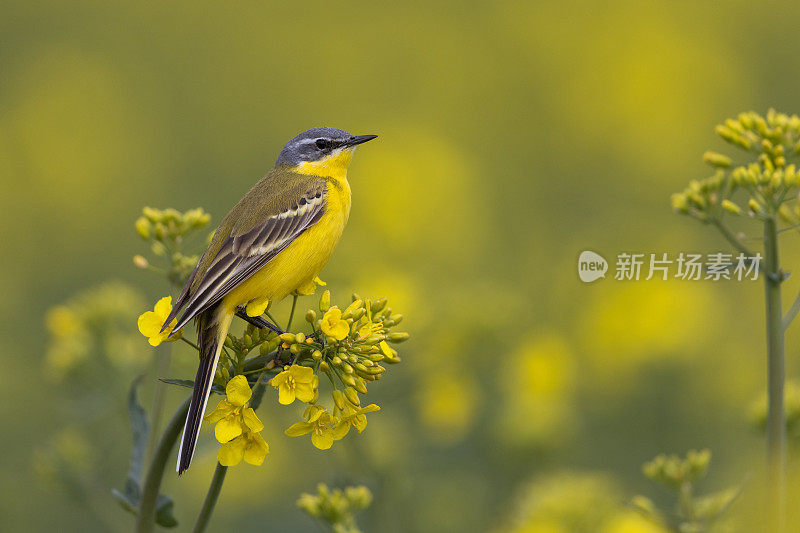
pixel 130 497
pixel 189 384
pixel 141 432
pixel 710 507
pixel 164 516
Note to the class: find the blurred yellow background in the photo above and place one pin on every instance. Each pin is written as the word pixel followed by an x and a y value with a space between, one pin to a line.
pixel 513 136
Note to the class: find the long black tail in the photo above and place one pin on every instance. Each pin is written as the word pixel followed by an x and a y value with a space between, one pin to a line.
pixel 209 333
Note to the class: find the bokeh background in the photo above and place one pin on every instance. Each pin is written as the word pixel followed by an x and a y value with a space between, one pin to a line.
pixel 513 136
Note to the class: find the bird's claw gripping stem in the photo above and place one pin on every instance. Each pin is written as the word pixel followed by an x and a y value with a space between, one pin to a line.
pixel 257 321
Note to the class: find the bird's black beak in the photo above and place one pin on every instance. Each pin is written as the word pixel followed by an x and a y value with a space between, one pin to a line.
pixel 357 139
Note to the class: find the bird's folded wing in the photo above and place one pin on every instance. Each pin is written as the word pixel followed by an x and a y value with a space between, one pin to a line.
pixel 242 255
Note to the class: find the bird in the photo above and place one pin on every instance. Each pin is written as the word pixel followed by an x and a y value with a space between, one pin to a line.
pixel 274 242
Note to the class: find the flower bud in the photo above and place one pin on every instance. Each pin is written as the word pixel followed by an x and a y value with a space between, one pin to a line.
pixel 360 386
pixel 397 338
pixel 311 316
pixel 140 261
pixel 347 368
pixel 393 320
pixel 338 398
pixel 336 361
pixel 160 230
pixel 731 207
pixel 288 337
pixel 379 304
pixel 300 338
pixel 359 497
pixel 324 367
pixel 317 355
pixel 716 160
pixel 347 313
pixel 158 249
pixel 268 346
pixel 375 338
pixel 325 301
pixel 352 396
pixel 143 227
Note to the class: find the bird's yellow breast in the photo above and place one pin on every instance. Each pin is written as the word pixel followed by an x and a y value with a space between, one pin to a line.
pixel 300 262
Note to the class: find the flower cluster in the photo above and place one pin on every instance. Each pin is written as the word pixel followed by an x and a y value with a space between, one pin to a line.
pixel 238 427
pixel 674 471
pixel 691 512
pixel 768 180
pixel 166 230
pixel 94 325
pixel 336 507
pixel 347 346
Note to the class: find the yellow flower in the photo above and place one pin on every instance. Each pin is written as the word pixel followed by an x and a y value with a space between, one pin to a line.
pixel 333 326
pixel 150 323
pixel 232 417
pixel 356 416
pixel 249 446
pixel 296 382
pixel 324 428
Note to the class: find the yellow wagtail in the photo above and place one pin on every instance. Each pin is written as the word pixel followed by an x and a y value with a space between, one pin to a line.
pixel 273 243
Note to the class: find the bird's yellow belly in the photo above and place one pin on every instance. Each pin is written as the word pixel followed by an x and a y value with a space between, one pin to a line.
pixel 297 265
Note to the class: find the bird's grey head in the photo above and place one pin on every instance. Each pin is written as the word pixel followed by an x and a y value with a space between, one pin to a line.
pixel 318 143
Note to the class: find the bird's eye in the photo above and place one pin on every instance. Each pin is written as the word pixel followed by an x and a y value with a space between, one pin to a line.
pixel 322 144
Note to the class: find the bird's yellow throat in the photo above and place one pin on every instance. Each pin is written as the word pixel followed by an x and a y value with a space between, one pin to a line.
pixel 333 166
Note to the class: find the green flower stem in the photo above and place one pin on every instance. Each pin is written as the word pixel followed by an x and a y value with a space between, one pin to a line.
pixel 219 473
pixel 211 499
pixel 731 238
pixel 190 343
pixel 776 419
pixel 291 313
pixel 152 482
pixel 162 369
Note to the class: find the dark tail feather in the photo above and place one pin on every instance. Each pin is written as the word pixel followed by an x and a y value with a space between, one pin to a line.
pixel 208 334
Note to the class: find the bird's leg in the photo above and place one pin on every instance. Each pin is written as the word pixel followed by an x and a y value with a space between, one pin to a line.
pixel 257 321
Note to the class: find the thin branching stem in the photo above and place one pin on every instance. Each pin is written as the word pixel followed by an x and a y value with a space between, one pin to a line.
pixel 211 499
pixel 190 343
pixel 731 238
pixel 791 314
pixel 159 395
pixel 152 482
